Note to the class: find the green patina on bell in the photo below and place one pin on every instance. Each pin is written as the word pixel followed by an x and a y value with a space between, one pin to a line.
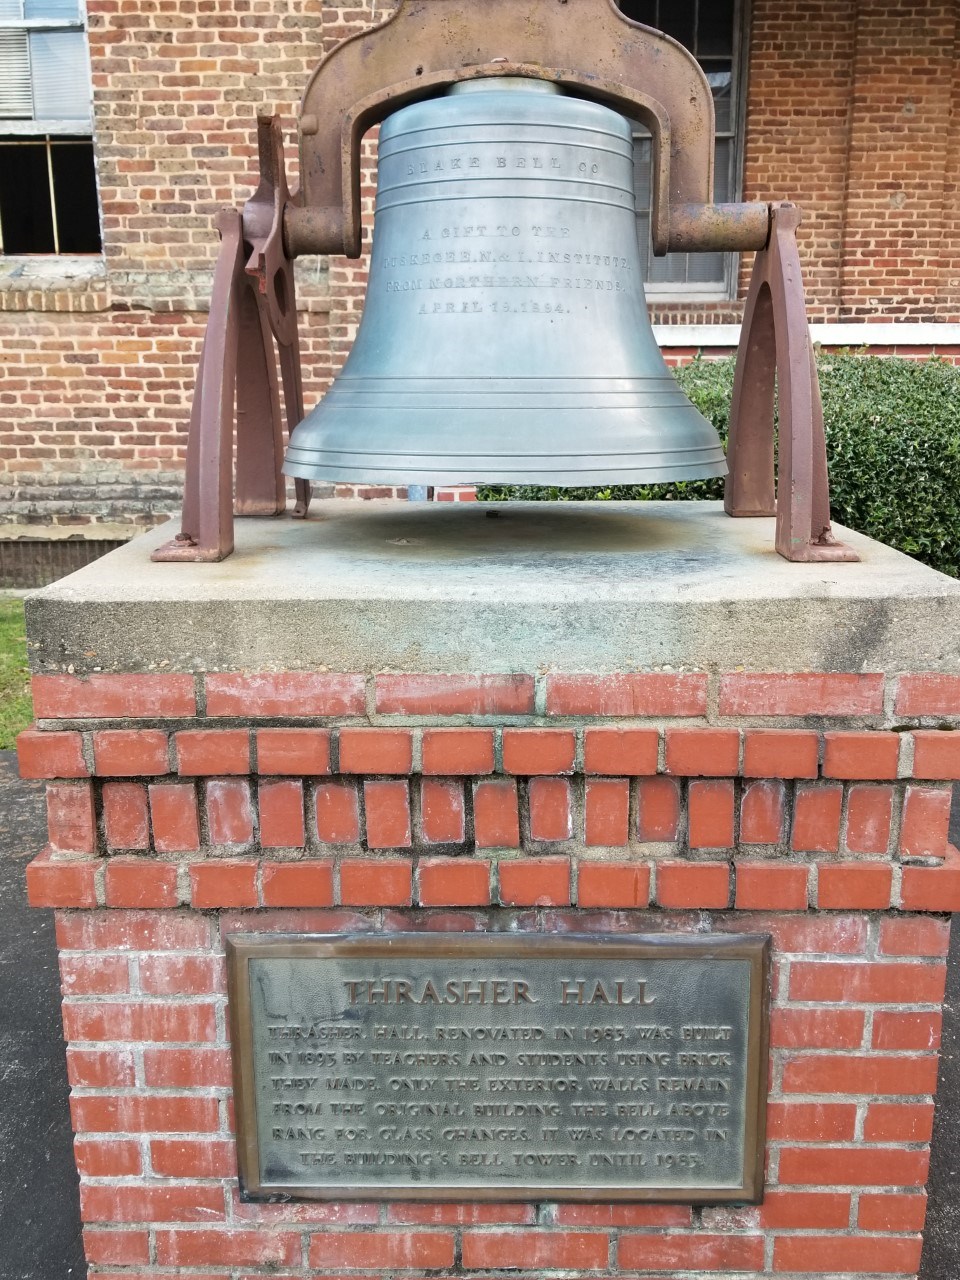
pixel 505 336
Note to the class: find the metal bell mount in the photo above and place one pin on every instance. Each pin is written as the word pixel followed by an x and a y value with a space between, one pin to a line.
pixel 505 336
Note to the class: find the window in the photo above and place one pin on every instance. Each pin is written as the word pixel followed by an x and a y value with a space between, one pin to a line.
pixel 48 192
pixel 713 30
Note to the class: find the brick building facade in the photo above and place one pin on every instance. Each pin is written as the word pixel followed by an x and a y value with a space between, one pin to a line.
pixel 850 108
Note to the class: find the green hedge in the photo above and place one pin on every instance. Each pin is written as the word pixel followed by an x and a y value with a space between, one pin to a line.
pixel 893 447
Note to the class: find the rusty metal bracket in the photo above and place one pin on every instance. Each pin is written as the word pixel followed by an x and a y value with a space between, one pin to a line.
pixel 252 306
pixel 272 269
pixel 776 354
pixel 206 530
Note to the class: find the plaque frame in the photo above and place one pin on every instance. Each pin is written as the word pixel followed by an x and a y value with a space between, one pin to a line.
pixel 754 948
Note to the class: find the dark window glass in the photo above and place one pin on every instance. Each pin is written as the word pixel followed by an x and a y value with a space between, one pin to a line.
pixel 705 27
pixel 678 18
pixel 26 218
pixel 715 29
pixel 75 197
pixel 48 196
pixel 644 11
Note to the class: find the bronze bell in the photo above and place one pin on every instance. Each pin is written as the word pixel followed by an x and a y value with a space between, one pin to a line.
pixel 505 336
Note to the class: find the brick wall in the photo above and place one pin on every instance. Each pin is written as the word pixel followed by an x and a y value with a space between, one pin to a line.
pixel 876 85
pixel 94 413
pixel 853 1066
pixel 800 82
pixel 853 110
pixel 813 807
pixel 950 251
pixel 98 369
pixel 903 85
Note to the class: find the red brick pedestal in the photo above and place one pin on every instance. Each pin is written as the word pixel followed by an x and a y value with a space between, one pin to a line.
pixel 201 798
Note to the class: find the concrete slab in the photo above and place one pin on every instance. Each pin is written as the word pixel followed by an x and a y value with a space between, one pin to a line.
pixel 368 586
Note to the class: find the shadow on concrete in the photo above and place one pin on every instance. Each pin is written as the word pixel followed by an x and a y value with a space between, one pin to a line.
pixel 39 1201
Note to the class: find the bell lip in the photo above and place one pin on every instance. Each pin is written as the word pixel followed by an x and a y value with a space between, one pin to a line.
pixel 559 479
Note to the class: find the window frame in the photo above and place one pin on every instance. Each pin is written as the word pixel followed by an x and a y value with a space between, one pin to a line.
pixel 47 132
pixel 724 290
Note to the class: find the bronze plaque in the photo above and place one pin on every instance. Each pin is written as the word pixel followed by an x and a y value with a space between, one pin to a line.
pixel 453 1066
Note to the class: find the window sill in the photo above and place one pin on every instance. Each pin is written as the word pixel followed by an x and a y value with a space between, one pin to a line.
pixel 53 283
pixel 80 284
pixel 685 294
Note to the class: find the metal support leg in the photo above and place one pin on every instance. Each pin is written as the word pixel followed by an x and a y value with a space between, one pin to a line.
pixel 207 525
pixel 252 305
pixel 775 351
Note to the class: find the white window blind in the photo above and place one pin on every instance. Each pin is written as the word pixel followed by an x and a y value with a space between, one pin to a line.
pixel 44 66
pixel 66 9
pixel 61 77
pixel 16 97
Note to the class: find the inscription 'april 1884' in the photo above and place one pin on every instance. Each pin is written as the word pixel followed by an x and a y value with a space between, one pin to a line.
pixel 532 1068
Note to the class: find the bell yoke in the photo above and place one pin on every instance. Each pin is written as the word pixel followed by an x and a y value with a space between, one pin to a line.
pixel 505 334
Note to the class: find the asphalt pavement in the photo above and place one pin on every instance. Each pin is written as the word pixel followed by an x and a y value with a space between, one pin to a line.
pixel 39 1201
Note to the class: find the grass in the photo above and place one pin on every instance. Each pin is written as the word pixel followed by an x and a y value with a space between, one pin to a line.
pixel 16 709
